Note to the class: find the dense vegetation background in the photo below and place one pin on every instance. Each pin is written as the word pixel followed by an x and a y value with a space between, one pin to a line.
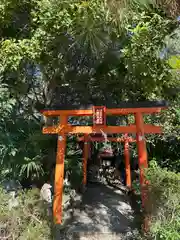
pixel 79 52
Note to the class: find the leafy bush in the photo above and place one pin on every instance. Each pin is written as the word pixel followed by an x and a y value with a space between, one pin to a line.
pixel 20 154
pixel 163 204
pixel 26 221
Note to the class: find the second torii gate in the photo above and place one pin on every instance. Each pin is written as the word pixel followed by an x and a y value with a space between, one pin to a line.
pixel 99 114
pixel 125 139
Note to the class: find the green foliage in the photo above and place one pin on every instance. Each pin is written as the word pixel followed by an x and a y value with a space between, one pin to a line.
pixel 26 221
pixel 6 103
pixel 143 50
pixel 163 202
pixel 19 153
pixel 104 53
pixel 174 62
pixel 165 147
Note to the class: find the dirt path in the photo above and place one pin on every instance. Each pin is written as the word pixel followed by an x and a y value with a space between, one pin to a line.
pixel 104 213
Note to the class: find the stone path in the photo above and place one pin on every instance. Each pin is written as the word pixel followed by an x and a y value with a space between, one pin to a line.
pixel 103 213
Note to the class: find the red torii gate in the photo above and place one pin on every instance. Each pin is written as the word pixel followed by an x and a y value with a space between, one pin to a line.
pixel 125 139
pixel 99 114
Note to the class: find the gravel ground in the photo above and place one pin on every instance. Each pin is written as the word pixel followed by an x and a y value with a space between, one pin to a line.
pixel 101 213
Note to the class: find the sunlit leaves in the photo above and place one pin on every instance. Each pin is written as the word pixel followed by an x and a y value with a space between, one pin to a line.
pixel 7 106
pixel 163 202
pixel 103 50
pixel 13 53
pixel 142 62
pixel 174 62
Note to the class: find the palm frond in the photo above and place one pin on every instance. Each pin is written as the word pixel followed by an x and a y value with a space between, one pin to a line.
pixel 31 166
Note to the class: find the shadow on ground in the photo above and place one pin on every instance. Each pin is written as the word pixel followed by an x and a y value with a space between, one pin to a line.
pixel 104 212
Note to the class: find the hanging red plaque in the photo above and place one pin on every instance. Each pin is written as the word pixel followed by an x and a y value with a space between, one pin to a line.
pixel 99 116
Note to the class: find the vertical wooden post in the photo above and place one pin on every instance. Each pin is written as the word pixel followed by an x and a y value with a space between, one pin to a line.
pixel 142 152
pixel 89 149
pixel 85 158
pixel 143 163
pixel 59 173
pixel 127 162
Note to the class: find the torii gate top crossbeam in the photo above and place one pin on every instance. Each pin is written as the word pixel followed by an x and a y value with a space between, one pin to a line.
pixel 123 108
pixel 89 112
pixel 99 113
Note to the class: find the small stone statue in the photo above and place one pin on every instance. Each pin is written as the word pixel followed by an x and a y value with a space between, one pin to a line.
pixel 46 194
pixel 13 202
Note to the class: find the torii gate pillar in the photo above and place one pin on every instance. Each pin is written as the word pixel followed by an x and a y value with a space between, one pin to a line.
pixel 127 163
pixel 59 173
pixel 85 158
pixel 142 152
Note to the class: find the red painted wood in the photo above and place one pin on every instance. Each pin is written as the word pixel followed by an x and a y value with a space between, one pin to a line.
pixel 113 111
pixel 142 153
pixel 97 129
pixel 85 159
pixel 59 175
pixel 127 162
